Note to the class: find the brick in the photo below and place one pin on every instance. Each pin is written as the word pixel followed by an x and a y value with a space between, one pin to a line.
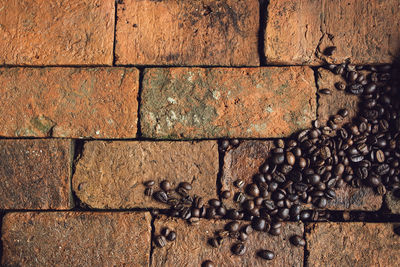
pixel 69 102
pixel 111 174
pixel 244 161
pixel 352 244
pixel 56 33
pixel 329 105
pixel 76 239
pixel 392 201
pixel 180 103
pixel 364 32
pixel 35 174
pixel 174 32
pixel 191 248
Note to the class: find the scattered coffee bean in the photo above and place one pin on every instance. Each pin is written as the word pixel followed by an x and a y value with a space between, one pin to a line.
pixel 266 254
pixel 325 91
pixel 297 241
pixel 238 249
pixel 160 196
pixel 239 183
pixel 165 231
pixel 160 241
pixel 226 194
pixel 149 183
pixel 207 263
pixel 171 236
pixel 165 185
pixel 148 191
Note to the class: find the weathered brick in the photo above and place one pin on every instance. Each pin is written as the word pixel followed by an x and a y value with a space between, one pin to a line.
pixel 244 161
pixel 174 32
pixel 69 102
pixel 352 244
pixel 76 239
pixel 35 174
pixel 329 105
pixel 364 32
pixel 224 102
pixel 191 247
pixel 111 174
pixel 74 32
pixel 392 200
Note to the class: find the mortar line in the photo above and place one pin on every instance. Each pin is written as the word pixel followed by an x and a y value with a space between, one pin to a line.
pixel 263 17
pixel 115 31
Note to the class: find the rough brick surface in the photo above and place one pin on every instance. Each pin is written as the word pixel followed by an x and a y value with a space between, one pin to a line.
pixel 76 239
pixel 352 244
pixel 69 102
pixel 35 174
pixel 244 161
pixel 111 174
pixel 363 31
pixel 393 202
pixel 174 32
pixel 219 102
pixel 191 248
pixel 56 32
pixel 329 105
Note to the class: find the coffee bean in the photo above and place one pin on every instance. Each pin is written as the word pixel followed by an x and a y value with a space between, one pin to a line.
pixel 171 236
pixel 239 183
pixel 278 158
pixel 238 249
pixel 160 196
pixel 248 204
pixel 243 236
pixel 208 263
pixel 214 202
pixel 252 190
pixel 160 241
pixel 379 156
pixel 185 185
pixel 258 224
pixel 239 197
pixel 314 179
pixel 149 183
pixel 325 91
pixel 266 254
pixel 214 242
pixel 148 191
pixel 356 89
pixel 340 86
pixel 165 231
pixel 275 231
pixel 165 185
pixel 297 241
pixel 234 142
pixel 226 194
pixel 232 226
pixel 290 158
pixel 352 76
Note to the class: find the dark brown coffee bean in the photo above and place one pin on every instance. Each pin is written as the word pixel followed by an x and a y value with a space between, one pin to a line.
pixel 328 51
pixel 226 194
pixel 243 236
pixel 232 226
pixel 381 190
pixel 352 76
pixel 148 191
pixel 370 88
pixel 238 249
pixel 290 158
pixel 253 190
pixel 278 158
pixel 171 236
pixel 149 183
pixel 234 142
pixel 165 231
pixel 214 202
pixel 343 112
pixel 232 214
pixel 356 89
pixel 185 185
pixel 160 241
pixel 214 242
pixel 258 224
pixel 297 241
pixel 325 91
pixel 340 86
pixel 266 254
pixel 196 212
pixel 321 202
pixel 248 204
pixel 283 213
pixel 165 185
pixel 207 263
pixel 239 197
pixel 211 212
pixel 160 196
pixel 380 156
pixel 259 178
pixel 239 183
pixel 305 215
pixel 247 229
pixel 275 231
pixel 314 179
pixel 221 211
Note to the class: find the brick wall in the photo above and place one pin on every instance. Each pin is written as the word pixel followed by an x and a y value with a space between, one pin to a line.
pixel 99 96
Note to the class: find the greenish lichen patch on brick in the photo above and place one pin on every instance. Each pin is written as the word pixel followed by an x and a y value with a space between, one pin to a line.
pixel 185 103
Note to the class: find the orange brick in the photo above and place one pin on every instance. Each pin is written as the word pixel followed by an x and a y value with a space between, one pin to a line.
pixel 76 239
pixel 364 32
pixel 179 103
pixel 69 102
pixel 41 32
pixel 175 32
pixel 35 174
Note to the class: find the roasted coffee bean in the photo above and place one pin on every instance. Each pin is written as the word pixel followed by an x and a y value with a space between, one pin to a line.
pixel 266 254
pixel 160 241
pixel 243 236
pixel 165 185
pixel 340 86
pixel 278 158
pixel 207 263
pixel 239 183
pixel 160 196
pixel 232 214
pixel 196 212
pixel 234 142
pixel 226 194
pixel 149 183
pixel 374 180
pixel 259 224
pixel 314 179
pixel 214 242
pixel 352 76
pixel 356 89
pixel 238 249
pixel 248 204
pixel 259 178
pixel 380 156
pixel 165 231
pixel 283 213
pixel 198 202
pixel 370 88
pixel 253 190
pixel 264 168
pixel 305 215
pixel 290 158
pixel 381 189
pixel 258 201
pixel 214 202
pixel 325 91
pixel 297 241
pixel 275 231
pixel 232 226
pixel 239 197
pixel 185 185
pixel 224 145
pixel 148 191
pixel 211 212
pixel 171 236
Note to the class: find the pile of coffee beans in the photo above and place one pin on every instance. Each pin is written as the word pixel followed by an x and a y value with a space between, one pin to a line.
pixel 166 235
pixel 307 168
